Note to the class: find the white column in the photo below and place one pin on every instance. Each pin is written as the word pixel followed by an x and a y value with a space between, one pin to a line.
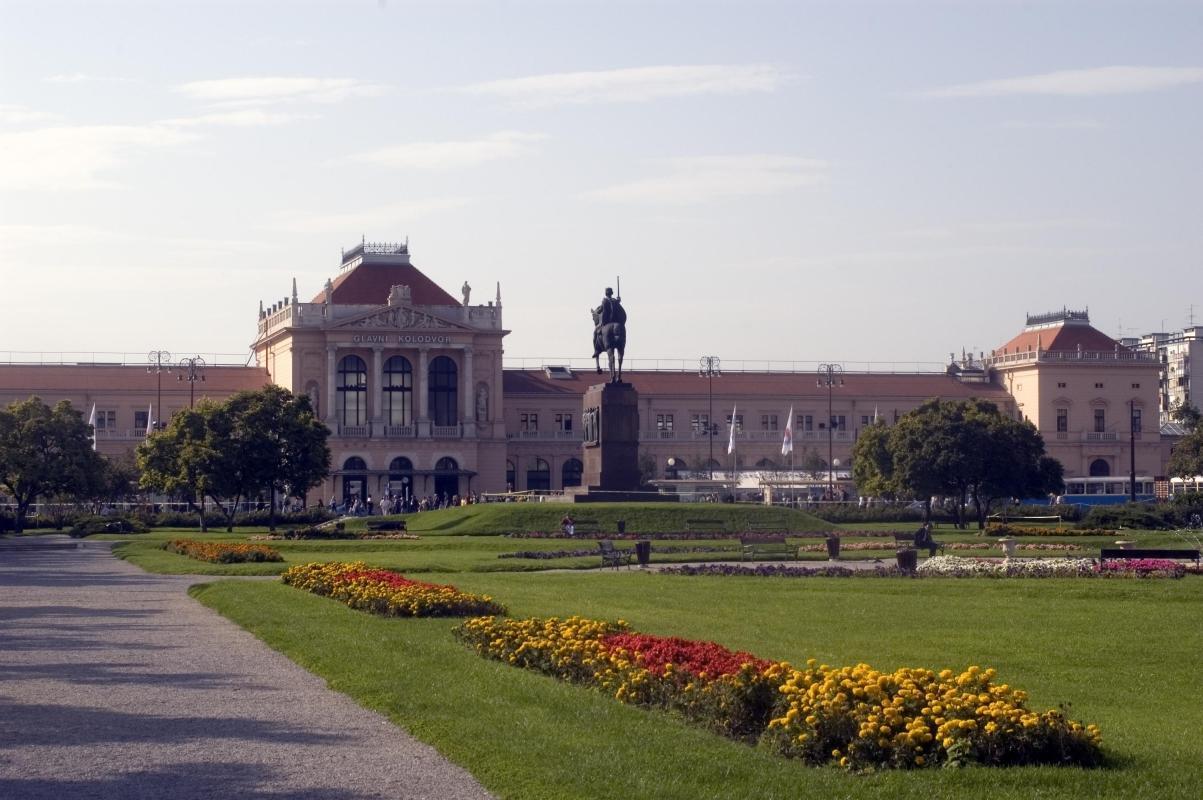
pixel 469 403
pixel 331 393
pixel 377 414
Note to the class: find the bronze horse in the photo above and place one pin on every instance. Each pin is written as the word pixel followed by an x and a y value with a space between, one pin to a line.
pixel 609 339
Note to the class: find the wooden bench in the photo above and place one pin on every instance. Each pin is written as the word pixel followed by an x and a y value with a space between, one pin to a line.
pixel 706 525
pixel 612 556
pixel 908 539
pixel 768 547
pixel 1149 552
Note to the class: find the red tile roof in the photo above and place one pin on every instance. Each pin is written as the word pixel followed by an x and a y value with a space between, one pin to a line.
pixel 735 386
pixel 1062 338
pixel 369 284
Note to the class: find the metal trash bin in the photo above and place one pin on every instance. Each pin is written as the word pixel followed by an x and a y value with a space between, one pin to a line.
pixel 908 559
pixel 643 552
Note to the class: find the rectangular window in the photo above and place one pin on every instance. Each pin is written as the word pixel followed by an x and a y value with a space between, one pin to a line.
pixel 837 422
pixel 140 422
pixel 1062 420
pixel 563 422
pixel 1098 386
pixel 1136 386
pixel 806 422
pixel 699 423
pixel 739 423
pixel 528 421
pixel 664 422
pixel 1061 384
pixel 864 419
pixel 1100 420
pixel 768 422
pixel 1136 420
pixel 106 420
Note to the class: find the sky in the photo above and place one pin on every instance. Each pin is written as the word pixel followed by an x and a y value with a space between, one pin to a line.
pixel 863 183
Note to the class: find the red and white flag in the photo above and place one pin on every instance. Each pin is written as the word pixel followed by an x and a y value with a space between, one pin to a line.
pixel 92 423
pixel 787 444
pixel 150 419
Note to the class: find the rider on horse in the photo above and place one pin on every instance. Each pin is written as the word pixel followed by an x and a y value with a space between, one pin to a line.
pixel 610 332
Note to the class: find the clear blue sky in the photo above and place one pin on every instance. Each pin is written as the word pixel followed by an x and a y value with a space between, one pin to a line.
pixel 844 181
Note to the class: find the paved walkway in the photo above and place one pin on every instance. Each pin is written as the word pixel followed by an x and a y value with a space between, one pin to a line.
pixel 115 684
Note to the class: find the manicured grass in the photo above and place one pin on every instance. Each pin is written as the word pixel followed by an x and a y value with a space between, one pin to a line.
pixel 1124 653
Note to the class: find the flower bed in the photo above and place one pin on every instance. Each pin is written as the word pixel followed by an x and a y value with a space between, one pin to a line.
pixel 782 571
pixel 854 716
pixel 222 552
pixel 381 591
pixel 548 554
pixel 698 535
pixel 1035 530
pixel 954 567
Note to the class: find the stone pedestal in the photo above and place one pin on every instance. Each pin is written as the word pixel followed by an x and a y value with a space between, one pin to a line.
pixel 611 425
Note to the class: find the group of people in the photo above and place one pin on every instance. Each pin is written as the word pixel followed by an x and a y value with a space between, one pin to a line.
pixel 357 506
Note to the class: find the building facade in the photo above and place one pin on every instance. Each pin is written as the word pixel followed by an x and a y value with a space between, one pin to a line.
pixel 410 381
pixel 1176 353
pixel 1093 400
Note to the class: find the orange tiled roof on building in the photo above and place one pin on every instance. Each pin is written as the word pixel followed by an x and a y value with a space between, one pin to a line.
pixel 381 267
pixel 1064 331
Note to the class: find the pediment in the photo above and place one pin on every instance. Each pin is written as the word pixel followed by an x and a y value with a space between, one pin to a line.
pixel 400 317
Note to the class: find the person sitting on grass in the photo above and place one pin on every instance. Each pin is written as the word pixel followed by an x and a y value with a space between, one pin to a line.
pixel 923 538
pixel 568 524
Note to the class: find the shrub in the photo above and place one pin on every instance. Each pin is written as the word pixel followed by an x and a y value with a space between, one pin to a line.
pixel 86 526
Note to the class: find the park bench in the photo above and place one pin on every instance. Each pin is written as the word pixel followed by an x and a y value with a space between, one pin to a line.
pixel 908 540
pixel 387 525
pixel 1149 552
pixel 612 556
pixel 767 547
pixel 706 525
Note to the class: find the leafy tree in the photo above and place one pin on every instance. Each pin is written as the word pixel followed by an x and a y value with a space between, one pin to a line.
pixel 177 461
pixel 812 462
pixel 1186 415
pixel 44 452
pixel 1013 463
pixel 648 468
pixel 1186 460
pixel 116 482
pixel 872 462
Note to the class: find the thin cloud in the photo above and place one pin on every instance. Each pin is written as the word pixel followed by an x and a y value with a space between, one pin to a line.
pixel 75 157
pixel 392 216
pixel 244 118
pixel 83 77
pixel 241 91
pixel 633 85
pixel 451 154
pixel 1054 125
pixel 1077 83
pixel 699 180
pixel 23 115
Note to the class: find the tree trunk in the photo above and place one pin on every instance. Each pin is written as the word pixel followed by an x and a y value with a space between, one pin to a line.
pixel 927 509
pixel 271 508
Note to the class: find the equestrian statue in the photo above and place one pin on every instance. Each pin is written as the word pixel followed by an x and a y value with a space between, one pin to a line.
pixel 610 333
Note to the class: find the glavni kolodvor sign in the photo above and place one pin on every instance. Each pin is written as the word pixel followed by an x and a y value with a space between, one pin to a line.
pixel 403 338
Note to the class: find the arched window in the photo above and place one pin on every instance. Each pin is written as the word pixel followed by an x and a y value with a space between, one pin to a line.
pixel 674 466
pixel 570 473
pixel 511 476
pixel 400 476
pixel 765 463
pixel 355 479
pixel 446 477
pixel 443 393
pixel 1099 468
pixel 352 391
pixel 398 391
pixel 538 474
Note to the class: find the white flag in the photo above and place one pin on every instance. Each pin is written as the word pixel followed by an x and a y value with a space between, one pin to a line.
pixel 92 422
pixel 787 444
pixel 150 419
pixel 874 413
pixel 731 440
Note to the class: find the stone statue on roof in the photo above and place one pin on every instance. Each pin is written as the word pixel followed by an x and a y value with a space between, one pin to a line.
pixel 467 290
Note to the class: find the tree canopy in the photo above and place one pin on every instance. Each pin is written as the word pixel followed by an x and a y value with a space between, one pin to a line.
pixel 266 441
pixel 966 450
pixel 44 452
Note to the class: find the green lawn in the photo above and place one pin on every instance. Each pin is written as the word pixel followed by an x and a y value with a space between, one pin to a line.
pixel 1124 653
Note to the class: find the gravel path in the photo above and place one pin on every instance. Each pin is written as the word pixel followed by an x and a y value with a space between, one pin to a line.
pixel 115 684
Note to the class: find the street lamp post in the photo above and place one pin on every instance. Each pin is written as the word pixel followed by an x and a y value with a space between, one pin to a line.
pixel 830 376
pixel 159 362
pixel 708 367
pixel 193 370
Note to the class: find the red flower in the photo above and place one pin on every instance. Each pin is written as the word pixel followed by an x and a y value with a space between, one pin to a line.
pixel 655 652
